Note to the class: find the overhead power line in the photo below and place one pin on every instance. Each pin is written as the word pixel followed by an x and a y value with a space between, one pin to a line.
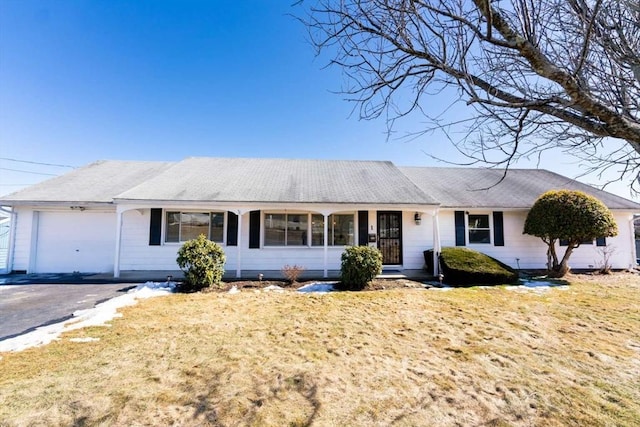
pixel 36 173
pixel 38 163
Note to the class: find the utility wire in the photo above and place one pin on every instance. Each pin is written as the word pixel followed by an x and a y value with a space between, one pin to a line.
pixel 38 163
pixel 36 173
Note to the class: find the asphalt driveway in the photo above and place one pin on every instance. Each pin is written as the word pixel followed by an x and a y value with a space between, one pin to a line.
pixel 24 307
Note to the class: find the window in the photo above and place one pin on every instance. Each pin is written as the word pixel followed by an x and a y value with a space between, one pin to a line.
pixel 317 230
pixel 297 230
pixel 479 229
pixel 565 242
pixel 294 230
pixel 275 229
pixel 285 229
pixel 340 228
pixel 183 226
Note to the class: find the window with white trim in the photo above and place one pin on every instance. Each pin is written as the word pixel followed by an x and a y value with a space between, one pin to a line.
pixel 284 229
pixel 340 229
pixel 183 226
pixel 478 228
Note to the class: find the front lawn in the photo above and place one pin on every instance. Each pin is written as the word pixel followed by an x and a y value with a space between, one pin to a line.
pixel 471 356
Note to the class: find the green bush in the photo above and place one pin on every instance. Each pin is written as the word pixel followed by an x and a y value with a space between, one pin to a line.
pixel 360 265
pixel 462 266
pixel 202 262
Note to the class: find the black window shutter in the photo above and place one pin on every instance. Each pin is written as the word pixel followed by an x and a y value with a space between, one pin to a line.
pixel 460 228
pixel 232 229
pixel 498 229
pixel 155 227
pixel 363 228
pixel 254 230
pixel 601 241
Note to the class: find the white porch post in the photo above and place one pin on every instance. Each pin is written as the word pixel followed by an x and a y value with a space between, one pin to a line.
pixel 326 244
pixel 239 247
pixel 632 231
pixel 116 260
pixel 436 242
pixel 33 249
pixel 13 215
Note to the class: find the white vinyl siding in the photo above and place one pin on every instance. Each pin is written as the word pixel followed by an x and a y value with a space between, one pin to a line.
pixel 529 252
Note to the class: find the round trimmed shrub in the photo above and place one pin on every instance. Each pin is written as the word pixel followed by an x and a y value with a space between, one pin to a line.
pixel 202 262
pixel 360 265
pixel 568 215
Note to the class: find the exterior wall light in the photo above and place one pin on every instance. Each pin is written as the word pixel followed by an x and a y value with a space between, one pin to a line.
pixel 417 218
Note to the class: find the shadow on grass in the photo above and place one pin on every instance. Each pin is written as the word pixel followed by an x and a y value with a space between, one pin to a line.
pixel 211 406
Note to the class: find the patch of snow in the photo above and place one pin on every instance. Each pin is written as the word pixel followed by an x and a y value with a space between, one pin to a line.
pixel 318 287
pixel 530 283
pixel 273 288
pixel 537 286
pixel 154 288
pixel 7 287
pixel 536 289
pixel 441 288
pixel 234 290
pixel 96 316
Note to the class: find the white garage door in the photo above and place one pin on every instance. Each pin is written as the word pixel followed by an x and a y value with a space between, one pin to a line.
pixel 75 241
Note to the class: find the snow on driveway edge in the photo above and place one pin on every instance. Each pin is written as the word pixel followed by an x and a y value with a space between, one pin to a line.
pixel 96 316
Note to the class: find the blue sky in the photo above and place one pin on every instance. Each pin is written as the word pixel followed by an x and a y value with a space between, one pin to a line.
pixel 157 80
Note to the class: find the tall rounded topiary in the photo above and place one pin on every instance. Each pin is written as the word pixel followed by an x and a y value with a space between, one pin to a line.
pixel 568 215
pixel 202 262
pixel 360 265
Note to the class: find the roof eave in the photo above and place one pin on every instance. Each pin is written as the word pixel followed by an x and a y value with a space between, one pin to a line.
pixel 55 203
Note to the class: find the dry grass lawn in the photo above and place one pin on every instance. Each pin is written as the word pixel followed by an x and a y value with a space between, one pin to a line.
pixel 464 357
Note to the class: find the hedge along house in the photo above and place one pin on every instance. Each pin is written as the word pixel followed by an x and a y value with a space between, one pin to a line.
pixel 118 216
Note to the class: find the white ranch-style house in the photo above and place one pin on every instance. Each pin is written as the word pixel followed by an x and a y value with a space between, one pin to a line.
pixel 120 216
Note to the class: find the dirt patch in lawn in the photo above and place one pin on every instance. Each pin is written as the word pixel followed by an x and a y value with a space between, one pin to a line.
pixel 470 356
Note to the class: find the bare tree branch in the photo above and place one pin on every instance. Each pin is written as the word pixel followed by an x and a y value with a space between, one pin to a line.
pixel 535 74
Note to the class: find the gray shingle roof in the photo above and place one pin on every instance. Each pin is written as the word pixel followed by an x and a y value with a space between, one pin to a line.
pixel 280 181
pixel 479 188
pixel 301 181
pixel 97 182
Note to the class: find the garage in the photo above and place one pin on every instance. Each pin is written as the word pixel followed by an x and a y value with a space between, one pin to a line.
pixel 76 241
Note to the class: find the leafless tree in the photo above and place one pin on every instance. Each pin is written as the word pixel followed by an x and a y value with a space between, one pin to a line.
pixel 535 74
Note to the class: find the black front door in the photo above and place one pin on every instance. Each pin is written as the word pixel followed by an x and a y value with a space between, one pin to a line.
pixel 390 237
